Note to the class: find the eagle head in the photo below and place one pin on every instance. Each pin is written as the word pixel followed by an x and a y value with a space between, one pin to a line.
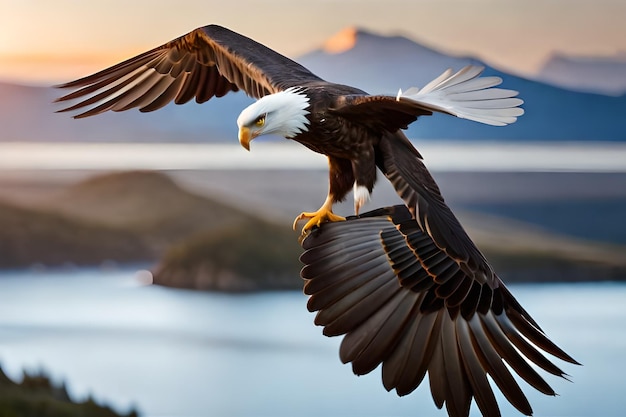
pixel 283 113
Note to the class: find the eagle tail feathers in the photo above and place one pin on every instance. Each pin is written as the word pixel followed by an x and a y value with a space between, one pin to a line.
pixel 467 95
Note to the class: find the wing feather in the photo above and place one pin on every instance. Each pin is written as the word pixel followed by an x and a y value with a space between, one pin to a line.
pixel 437 375
pixel 151 92
pixel 459 396
pixel 514 359
pixel 473 85
pixel 162 97
pixel 463 94
pixel 493 365
pixel 420 354
pixel 365 284
pixel 190 80
pixel 458 94
pixel 205 63
pixel 370 343
pixel 362 308
pixel 407 173
pixel 458 329
pixel 481 389
pixel 460 77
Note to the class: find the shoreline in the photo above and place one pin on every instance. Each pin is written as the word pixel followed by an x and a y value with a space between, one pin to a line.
pixel 514 247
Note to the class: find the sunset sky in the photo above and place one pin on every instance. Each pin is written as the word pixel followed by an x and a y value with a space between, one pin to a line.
pixel 53 40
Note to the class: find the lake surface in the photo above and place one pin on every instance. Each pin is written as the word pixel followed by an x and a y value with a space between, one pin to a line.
pixel 181 353
pixel 599 219
pixel 488 156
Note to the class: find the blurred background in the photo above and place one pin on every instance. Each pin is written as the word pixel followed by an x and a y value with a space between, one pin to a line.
pixel 147 262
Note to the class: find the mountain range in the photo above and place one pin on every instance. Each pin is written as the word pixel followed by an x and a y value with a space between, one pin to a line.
pixel 377 64
pixel 605 75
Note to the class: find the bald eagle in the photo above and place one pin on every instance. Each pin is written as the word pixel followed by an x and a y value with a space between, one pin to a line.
pixel 406 285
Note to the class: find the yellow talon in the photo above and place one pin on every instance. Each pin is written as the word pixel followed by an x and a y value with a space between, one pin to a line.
pixel 324 214
pixel 316 219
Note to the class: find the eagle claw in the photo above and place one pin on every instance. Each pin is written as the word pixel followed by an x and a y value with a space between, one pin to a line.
pixel 316 219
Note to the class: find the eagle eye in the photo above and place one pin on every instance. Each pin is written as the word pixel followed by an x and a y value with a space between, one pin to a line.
pixel 260 121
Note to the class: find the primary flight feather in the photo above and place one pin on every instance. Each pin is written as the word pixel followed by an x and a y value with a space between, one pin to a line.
pixel 360 134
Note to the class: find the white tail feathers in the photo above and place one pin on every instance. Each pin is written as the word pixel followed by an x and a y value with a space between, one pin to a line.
pixel 466 95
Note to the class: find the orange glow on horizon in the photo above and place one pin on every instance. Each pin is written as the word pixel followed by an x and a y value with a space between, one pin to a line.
pixel 64 39
pixel 341 41
pixel 51 68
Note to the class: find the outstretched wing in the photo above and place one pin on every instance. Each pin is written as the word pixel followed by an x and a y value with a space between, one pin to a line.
pixel 463 94
pixel 207 62
pixel 403 167
pixel 404 303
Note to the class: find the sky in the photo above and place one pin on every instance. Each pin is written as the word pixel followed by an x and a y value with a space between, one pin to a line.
pixel 46 41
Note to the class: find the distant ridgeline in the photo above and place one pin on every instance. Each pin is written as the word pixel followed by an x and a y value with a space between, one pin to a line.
pixel 383 64
pixel 198 243
pixel 37 396
pixel 551 114
pixel 377 64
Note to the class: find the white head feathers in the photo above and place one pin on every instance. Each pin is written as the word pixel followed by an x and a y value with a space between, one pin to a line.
pixel 285 113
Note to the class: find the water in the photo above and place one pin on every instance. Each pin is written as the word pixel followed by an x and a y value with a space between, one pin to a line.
pixel 266 153
pixel 182 353
pixel 599 219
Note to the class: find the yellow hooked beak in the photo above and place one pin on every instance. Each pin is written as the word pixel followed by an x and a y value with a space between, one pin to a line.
pixel 245 137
